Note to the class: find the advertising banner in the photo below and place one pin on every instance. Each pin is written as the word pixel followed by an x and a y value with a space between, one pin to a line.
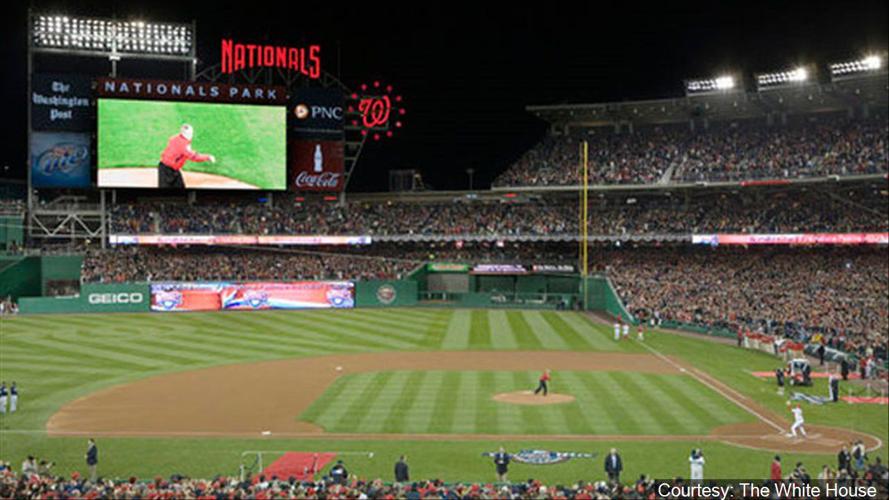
pixel 60 102
pixel 792 239
pixel 252 296
pixel 317 113
pixel 233 239
pixel 142 88
pixel 60 159
pixel 445 267
pixel 499 269
pixel 317 165
pixel 552 268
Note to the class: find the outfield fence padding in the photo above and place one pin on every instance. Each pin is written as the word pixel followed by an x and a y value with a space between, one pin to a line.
pixel 94 297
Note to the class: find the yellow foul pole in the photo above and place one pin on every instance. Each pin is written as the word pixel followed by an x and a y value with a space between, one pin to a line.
pixel 586 206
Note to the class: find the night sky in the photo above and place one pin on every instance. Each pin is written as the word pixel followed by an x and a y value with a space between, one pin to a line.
pixel 467 72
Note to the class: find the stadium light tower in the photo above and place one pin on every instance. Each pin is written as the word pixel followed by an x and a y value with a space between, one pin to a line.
pixel 111 38
pixel 800 75
pixel 872 64
pixel 717 85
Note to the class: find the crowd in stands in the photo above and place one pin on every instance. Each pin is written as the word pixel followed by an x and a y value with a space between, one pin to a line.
pixel 734 152
pixel 840 295
pixel 12 206
pixel 805 211
pixel 39 482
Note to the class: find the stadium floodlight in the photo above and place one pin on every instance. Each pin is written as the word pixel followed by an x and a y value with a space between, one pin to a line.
pixel 781 79
pixel 851 69
pixel 719 84
pixel 77 34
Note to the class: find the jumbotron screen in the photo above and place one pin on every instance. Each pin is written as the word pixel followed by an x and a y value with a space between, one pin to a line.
pixel 191 145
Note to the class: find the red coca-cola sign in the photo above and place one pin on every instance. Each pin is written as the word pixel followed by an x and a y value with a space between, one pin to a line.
pixel 317 165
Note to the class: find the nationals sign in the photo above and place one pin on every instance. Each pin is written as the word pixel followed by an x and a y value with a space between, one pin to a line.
pixel 239 56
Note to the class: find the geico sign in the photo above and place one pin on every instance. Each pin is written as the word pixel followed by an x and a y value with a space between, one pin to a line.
pixel 116 298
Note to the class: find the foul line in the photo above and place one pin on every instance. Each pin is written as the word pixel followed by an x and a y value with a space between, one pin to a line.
pixel 711 386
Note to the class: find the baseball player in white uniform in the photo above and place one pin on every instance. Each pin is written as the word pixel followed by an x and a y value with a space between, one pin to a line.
pixel 640 335
pixel 798 422
pixel 616 331
pixel 626 329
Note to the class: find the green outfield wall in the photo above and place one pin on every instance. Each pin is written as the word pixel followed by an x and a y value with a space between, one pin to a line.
pixel 380 293
pixel 95 297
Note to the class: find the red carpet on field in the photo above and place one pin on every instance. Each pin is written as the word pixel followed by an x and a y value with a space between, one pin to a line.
pixel 866 401
pixel 302 466
pixel 852 376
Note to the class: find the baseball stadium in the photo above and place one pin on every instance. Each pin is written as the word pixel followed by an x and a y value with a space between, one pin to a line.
pixel 226 270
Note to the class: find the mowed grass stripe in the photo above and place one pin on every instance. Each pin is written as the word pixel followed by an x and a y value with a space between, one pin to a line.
pixel 57 351
pixel 598 336
pixel 626 417
pixel 457 332
pixel 392 338
pixel 331 396
pixel 328 334
pixel 596 417
pixel 487 416
pixel 525 338
pixel 140 349
pixel 384 404
pixel 407 400
pixel 479 333
pixel 418 417
pixel 37 367
pixel 103 354
pixel 705 419
pixel 508 419
pixel 346 421
pixel 330 410
pixel 443 411
pixel 197 352
pixel 269 340
pixel 411 329
pixel 8 355
pixel 665 397
pixel 548 338
pixel 465 408
pixel 252 341
pixel 569 337
pixel 189 343
pixel 648 404
pixel 502 336
pixel 708 400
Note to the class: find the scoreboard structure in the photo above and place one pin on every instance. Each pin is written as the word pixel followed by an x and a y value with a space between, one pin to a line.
pixel 92 82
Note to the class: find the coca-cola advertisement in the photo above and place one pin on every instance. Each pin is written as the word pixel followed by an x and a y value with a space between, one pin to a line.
pixel 60 160
pixel 317 165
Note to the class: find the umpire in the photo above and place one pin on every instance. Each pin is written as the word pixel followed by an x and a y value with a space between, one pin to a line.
pixel 92 458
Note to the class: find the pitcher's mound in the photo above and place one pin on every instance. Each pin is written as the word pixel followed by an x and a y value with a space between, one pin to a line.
pixel 529 398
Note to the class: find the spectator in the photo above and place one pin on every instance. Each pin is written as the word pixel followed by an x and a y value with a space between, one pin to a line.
pixel 92 458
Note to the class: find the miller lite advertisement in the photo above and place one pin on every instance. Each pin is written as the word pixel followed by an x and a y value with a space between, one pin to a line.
pixel 61 102
pixel 60 160
pixel 316 112
pixel 317 165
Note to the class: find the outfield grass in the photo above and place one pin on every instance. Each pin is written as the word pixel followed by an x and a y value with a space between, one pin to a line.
pixel 249 142
pixel 56 359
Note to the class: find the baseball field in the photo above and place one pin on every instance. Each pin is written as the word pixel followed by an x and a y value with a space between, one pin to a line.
pixel 248 143
pixel 189 393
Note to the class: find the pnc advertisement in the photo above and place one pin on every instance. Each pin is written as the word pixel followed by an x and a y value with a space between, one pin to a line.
pixel 218 296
